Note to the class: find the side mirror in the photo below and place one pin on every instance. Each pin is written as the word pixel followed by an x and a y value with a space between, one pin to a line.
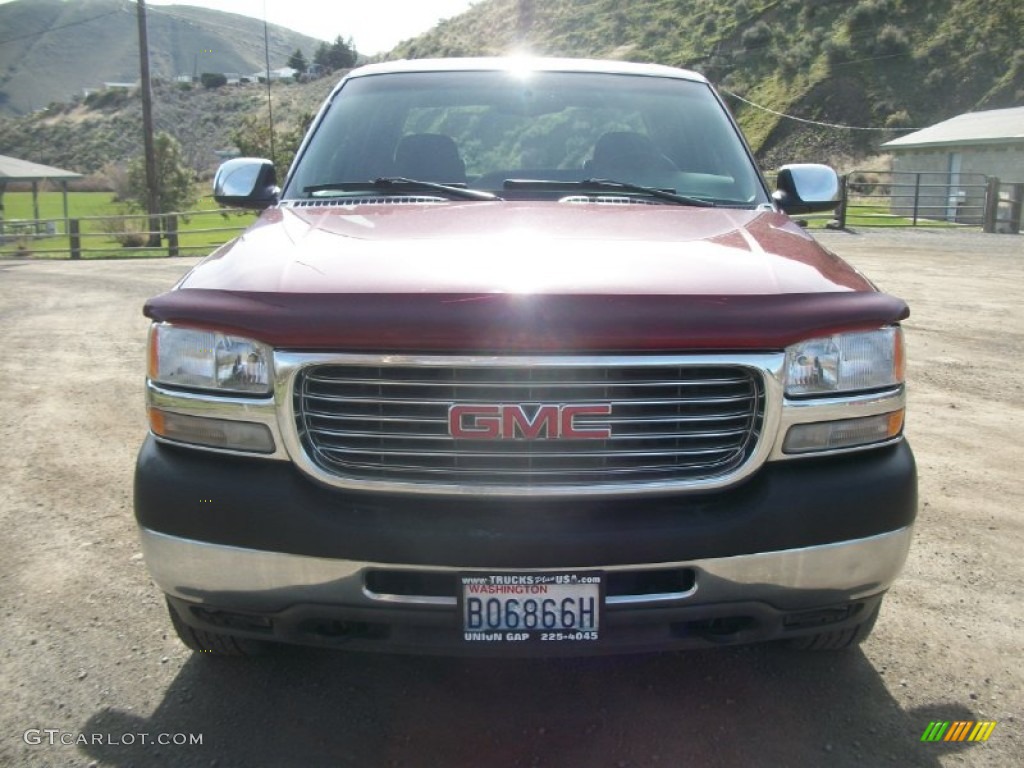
pixel 246 182
pixel 806 188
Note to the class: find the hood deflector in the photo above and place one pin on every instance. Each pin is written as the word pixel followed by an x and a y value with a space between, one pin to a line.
pixel 525 323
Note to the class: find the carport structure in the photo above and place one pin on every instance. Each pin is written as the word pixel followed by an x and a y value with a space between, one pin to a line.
pixel 13 169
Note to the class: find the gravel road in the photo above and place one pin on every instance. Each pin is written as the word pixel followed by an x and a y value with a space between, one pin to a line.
pixel 91 673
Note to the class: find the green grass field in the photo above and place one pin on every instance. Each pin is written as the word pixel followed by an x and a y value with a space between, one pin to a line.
pixel 204 229
pixel 863 215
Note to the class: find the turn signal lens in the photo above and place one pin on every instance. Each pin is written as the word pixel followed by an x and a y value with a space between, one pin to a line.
pixel 847 433
pixel 215 433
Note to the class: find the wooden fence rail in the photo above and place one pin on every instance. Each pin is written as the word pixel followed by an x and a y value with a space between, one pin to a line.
pixel 119 235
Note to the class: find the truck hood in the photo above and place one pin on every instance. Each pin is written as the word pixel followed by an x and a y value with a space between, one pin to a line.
pixel 525 248
pixel 524 276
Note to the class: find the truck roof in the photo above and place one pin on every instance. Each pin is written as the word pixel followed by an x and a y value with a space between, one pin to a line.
pixel 526 63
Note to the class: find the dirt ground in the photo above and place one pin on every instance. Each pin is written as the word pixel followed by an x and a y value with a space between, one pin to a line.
pixel 87 655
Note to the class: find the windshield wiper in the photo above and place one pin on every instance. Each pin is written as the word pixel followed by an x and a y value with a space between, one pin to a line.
pixel 402 183
pixel 621 186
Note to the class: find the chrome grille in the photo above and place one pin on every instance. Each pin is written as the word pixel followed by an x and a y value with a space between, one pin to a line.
pixel 672 423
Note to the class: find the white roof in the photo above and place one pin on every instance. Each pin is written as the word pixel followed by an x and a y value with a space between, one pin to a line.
pixel 13 169
pixel 526 63
pixel 996 126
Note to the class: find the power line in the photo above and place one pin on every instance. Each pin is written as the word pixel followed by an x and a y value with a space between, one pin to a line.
pixel 808 121
pixel 61 26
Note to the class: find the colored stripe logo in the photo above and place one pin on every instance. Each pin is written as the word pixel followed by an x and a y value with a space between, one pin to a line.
pixel 958 730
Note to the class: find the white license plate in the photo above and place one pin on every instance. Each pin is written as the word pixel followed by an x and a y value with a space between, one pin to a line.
pixel 544 607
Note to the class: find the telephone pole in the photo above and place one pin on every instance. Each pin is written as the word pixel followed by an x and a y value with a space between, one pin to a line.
pixel 152 188
pixel 270 100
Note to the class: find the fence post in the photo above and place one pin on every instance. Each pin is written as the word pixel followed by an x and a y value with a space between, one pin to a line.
pixel 991 204
pixel 1016 207
pixel 917 195
pixel 171 223
pixel 844 197
pixel 76 240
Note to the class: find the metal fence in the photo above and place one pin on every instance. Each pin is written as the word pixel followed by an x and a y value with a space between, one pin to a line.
pixel 868 198
pixel 927 199
pixel 121 236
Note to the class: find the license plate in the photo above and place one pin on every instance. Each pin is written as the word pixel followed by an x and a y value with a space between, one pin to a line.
pixel 542 607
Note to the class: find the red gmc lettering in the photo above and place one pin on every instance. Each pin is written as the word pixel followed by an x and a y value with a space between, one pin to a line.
pixel 569 430
pixel 545 420
pixel 511 422
pixel 474 422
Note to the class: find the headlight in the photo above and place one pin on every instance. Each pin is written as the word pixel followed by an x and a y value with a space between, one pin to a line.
pixel 189 357
pixel 845 362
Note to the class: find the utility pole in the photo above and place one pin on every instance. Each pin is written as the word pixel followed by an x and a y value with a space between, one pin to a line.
pixel 524 23
pixel 270 101
pixel 152 188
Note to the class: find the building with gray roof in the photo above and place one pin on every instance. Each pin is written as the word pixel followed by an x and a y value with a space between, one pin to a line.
pixel 950 162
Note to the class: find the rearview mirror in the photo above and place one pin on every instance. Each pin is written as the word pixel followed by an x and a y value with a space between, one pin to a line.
pixel 246 182
pixel 806 188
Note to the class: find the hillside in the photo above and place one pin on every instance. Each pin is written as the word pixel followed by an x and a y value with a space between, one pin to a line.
pixel 865 63
pixel 881 64
pixel 106 127
pixel 51 50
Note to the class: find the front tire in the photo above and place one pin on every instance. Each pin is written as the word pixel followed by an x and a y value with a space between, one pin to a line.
pixel 213 643
pixel 839 639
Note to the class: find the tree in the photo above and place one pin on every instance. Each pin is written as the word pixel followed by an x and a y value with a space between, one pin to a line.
pixel 321 55
pixel 252 137
pixel 340 54
pixel 175 180
pixel 298 61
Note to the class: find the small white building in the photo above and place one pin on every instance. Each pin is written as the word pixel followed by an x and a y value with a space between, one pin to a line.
pixel 284 73
pixel 949 162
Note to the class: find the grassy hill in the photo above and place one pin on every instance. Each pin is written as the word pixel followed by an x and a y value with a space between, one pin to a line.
pixel 105 128
pixel 50 50
pixel 865 63
pixel 883 64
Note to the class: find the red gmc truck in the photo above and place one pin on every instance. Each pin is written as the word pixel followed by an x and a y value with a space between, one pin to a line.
pixel 524 357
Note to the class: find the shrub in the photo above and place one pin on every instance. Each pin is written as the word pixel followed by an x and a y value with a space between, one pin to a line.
pixel 108 98
pixel 116 177
pixel 891 40
pixel 837 53
pixel 212 79
pixel 128 232
pixel 756 36
pixel 898 119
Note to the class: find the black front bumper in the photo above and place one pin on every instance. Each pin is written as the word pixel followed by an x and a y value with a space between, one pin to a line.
pixel 252 548
pixel 269 506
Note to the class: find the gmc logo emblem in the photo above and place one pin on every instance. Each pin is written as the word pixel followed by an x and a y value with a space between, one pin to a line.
pixel 513 422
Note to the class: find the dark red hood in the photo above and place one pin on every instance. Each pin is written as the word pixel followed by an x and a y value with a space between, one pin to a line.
pixel 524 248
pixel 526 277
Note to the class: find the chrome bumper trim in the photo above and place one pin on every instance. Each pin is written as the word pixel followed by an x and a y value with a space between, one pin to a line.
pixel 246 579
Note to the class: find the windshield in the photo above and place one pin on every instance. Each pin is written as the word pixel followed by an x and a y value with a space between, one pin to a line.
pixel 483 129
